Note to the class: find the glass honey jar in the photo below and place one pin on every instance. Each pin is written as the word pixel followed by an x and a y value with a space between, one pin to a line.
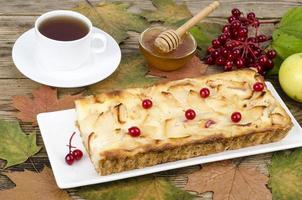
pixel 166 61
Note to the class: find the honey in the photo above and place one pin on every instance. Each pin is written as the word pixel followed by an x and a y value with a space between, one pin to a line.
pixel 166 61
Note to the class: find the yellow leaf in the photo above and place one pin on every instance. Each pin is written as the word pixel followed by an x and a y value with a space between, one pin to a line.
pixel 113 18
pixel 167 11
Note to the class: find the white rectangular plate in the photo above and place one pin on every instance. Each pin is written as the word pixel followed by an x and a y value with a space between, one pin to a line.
pixel 57 127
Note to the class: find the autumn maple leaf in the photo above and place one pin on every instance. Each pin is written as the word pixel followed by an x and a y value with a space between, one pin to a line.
pixel 141 188
pixel 114 18
pixel 44 100
pixel 33 186
pixel 230 182
pixel 193 68
pixel 167 11
pixel 130 73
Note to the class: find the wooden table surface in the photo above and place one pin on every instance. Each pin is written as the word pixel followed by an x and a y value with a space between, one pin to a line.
pixel 17 16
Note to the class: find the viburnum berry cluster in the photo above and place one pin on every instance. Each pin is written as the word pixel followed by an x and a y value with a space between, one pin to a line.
pixel 240 45
pixel 76 154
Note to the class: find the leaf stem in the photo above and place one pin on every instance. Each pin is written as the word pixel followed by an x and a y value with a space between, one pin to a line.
pixel 271 21
pixel 32 163
pixel 89 3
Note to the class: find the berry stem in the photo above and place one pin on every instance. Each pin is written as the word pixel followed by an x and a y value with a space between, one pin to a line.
pixel 70 146
pixel 243 53
pixel 249 49
pixel 70 139
pixel 256 34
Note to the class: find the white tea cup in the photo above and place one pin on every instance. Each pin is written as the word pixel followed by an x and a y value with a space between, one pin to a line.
pixel 67 55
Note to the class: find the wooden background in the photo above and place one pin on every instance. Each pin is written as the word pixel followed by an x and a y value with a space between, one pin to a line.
pixel 17 16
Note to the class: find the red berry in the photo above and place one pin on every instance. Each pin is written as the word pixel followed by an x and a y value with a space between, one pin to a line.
pixel 222 38
pixel 271 54
pixel 210 49
pixel 236 117
pixel 229 45
pixel 204 92
pixel 235 53
pixel 254 53
pixel 134 131
pixel 258 51
pixel 232 18
pixel 235 24
pixel 256 23
pixel 216 44
pixel 69 159
pixel 220 61
pixel 227 33
pixel 251 16
pixel 241 39
pixel 226 28
pixel 239 63
pixel 253 46
pixel 147 103
pixel 224 52
pixel 262 60
pixel 252 39
pixel 77 154
pixel 261 38
pixel 209 60
pixel 243 32
pixel 258 87
pixel 235 34
pixel 190 114
pixel 228 66
pixel 215 53
pixel 269 64
pixel 230 57
pixel 236 12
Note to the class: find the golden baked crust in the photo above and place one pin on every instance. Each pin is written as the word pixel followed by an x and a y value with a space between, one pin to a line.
pixel 104 120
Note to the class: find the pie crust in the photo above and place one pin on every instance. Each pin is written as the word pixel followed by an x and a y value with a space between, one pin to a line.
pixel 166 135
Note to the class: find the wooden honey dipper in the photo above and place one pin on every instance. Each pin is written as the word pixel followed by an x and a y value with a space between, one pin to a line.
pixel 170 39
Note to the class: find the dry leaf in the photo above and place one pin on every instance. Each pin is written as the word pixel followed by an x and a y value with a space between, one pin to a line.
pixel 114 18
pixel 33 186
pixel 167 11
pixel 204 33
pixel 230 182
pixel 16 147
pixel 286 175
pixel 194 68
pixel 130 73
pixel 140 188
pixel 44 100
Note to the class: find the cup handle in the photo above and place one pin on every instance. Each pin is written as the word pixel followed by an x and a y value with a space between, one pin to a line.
pixel 101 39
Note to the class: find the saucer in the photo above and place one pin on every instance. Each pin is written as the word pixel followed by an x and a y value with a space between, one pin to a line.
pixel 98 67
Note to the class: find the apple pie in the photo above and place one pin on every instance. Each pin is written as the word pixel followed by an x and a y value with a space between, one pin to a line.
pixel 139 127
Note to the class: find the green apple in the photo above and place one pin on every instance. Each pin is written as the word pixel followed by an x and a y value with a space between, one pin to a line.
pixel 290 76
